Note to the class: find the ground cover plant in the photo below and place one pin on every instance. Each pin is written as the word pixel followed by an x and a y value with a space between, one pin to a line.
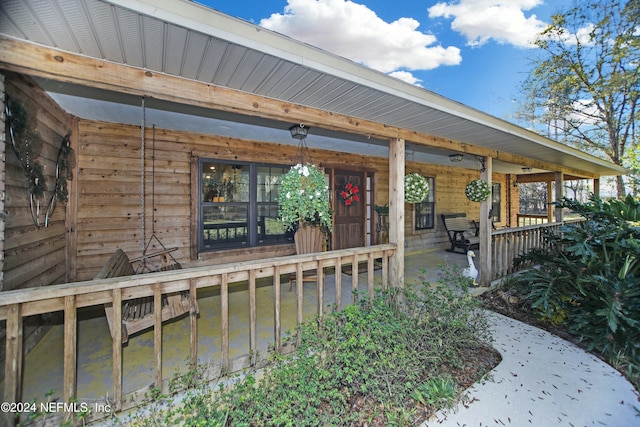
pixel 393 360
pixel 586 283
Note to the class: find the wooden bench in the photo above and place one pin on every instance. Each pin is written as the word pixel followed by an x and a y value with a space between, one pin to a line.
pixel 459 232
pixel 137 313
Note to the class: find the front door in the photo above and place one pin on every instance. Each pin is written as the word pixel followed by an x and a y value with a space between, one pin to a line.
pixel 349 219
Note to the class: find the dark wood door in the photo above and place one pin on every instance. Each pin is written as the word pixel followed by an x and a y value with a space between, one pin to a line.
pixel 348 227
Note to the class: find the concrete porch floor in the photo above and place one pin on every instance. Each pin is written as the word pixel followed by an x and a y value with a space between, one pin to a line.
pixel 43 366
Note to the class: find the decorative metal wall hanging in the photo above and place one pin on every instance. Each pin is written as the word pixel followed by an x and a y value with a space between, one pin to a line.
pixel 26 143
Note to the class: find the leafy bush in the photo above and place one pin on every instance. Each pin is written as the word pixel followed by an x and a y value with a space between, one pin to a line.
pixel 376 361
pixel 587 277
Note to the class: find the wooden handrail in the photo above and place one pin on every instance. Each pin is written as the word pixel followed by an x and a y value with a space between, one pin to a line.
pixel 510 243
pixel 15 305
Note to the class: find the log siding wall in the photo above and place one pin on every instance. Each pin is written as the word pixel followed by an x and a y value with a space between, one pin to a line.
pixel 109 188
pixel 33 256
pixel 109 184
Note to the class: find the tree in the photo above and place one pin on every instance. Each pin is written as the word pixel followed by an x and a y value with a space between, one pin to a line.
pixel 584 88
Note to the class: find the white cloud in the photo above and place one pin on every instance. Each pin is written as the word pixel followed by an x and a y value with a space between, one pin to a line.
pixel 503 21
pixel 355 32
pixel 407 77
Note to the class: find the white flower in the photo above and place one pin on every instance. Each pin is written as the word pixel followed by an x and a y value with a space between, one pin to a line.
pixel 288 195
pixel 305 171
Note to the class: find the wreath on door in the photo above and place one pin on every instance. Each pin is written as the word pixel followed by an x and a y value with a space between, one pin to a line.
pixel 349 193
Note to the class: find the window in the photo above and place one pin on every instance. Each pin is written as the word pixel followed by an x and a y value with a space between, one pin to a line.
pixel 425 210
pixel 239 205
pixel 495 203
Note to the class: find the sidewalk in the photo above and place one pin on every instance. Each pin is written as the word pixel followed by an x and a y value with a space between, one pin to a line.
pixel 544 381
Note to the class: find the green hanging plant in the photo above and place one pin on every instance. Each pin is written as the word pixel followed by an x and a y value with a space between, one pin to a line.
pixel 303 197
pixel 477 190
pixel 416 188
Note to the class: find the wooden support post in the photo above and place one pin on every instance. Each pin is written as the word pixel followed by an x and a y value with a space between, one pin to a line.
pixel 549 201
pixel 157 335
pixel 596 187
pixel 193 324
pixel 396 210
pixel 485 229
pixel 3 181
pixel 70 343
pixel 116 349
pixel 559 195
pixel 13 360
pixel 277 325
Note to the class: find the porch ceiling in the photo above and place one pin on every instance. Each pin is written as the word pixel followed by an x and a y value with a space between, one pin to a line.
pixel 185 39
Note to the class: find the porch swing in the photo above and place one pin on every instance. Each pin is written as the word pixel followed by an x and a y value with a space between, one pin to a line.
pixel 137 313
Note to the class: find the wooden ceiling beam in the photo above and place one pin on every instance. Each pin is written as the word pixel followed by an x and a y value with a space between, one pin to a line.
pixel 545 177
pixel 45 62
pixel 527 162
pixel 36 60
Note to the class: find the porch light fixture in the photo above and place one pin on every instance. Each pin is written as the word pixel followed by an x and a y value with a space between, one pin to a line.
pixel 299 131
pixel 526 169
pixel 455 157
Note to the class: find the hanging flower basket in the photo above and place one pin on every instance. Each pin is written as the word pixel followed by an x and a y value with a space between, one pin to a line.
pixel 303 197
pixel 477 190
pixel 416 188
pixel 349 193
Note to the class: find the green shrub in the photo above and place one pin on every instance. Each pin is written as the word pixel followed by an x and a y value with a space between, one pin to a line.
pixel 373 360
pixel 587 277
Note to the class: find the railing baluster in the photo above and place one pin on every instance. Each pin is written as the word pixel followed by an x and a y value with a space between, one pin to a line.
pixel 354 276
pixel 385 269
pixel 157 335
pixel 320 287
pixel 193 325
pixel 13 360
pixel 370 272
pixel 70 353
pixel 277 326
pixel 116 348
pixel 338 275
pixel 224 321
pixel 252 317
pixel 300 297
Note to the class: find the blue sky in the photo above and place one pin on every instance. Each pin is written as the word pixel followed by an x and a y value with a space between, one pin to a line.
pixel 472 51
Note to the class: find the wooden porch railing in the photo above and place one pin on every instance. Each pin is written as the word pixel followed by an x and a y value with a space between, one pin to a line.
pixel 68 298
pixel 510 243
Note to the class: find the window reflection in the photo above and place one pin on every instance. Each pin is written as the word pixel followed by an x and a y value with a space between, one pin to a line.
pixel 239 205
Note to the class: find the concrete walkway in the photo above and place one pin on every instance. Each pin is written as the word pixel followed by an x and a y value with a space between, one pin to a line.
pixel 544 381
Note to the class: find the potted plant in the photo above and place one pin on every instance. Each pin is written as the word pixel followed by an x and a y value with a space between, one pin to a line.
pixel 303 198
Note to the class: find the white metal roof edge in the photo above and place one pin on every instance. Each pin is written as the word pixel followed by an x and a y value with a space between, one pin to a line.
pixel 209 21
